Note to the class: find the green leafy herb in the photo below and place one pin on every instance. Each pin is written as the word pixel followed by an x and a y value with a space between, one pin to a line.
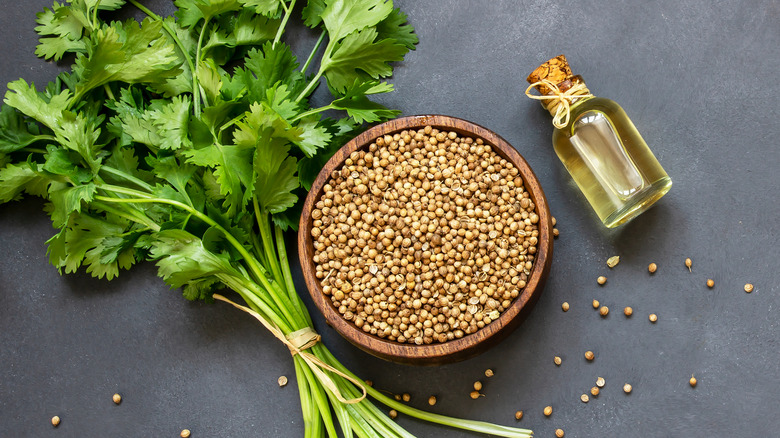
pixel 190 141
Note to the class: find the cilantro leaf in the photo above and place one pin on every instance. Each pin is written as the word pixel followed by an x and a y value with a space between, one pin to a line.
pixel 359 107
pixel 360 57
pixel 232 168
pixel 14 131
pixel 100 244
pixel 395 27
pixel 269 8
pixel 275 176
pixel 132 53
pixel 15 179
pixel 190 12
pixel 69 200
pixel 344 17
pixel 182 259
pixel 171 122
pixel 312 12
pixel 270 65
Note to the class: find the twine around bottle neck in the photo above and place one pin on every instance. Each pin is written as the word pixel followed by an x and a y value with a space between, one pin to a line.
pixel 558 102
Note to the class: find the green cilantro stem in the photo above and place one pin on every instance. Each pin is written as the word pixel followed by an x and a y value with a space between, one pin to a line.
pixel 310 86
pixel 267 240
pixel 288 280
pixel 168 29
pixel 313 52
pixel 287 12
pixel 116 172
pixel 130 215
pixel 195 85
pixel 312 112
pixel 34 150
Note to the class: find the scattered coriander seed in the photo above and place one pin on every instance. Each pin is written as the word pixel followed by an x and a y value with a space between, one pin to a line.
pixel 489 373
pixel 565 306
pixel 557 360
pixel 688 264
pixel 589 355
pixel 604 310
pixel 397 397
pixel 628 311
pixel 432 400
pixel 369 383
pixel 55 421
pixel 556 233
pixel 392 414
pixel 282 381
pixel 117 398
pixel 613 261
pixel 652 267
pixel 653 317
pixel 519 415
pixel 477 385
pixel 185 433
pixel 547 411
pixel 584 398
pixel 594 391
pixel 627 388
pixel 406 397
pixel 601 280
pixel 710 283
pixel 559 433
pixel 475 395
pixel 692 381
pixel 600 382
pixel 596 304
pixel 748 288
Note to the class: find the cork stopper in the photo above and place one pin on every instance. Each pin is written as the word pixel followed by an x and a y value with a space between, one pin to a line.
pixel 557 71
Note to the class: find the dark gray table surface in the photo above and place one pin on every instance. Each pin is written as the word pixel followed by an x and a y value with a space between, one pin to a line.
pixel 699 79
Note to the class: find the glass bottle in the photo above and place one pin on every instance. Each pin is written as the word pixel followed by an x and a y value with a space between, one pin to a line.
pixel 599 146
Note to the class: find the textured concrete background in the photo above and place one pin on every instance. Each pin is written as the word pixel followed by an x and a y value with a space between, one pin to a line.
pixel 698 78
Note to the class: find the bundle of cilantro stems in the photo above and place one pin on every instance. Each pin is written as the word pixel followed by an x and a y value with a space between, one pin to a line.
pixel 189 140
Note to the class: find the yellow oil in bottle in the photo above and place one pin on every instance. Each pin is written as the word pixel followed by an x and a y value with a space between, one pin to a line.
pixel 610 162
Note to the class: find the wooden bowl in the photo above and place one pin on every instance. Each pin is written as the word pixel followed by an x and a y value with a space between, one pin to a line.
pixel 457 349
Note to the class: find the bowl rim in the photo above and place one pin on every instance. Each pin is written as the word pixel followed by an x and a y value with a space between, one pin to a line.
pixel 456 349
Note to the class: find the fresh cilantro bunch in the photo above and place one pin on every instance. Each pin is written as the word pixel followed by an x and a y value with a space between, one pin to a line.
pixel 189 140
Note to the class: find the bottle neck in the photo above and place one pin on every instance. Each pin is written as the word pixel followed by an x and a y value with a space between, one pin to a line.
pixel 560 99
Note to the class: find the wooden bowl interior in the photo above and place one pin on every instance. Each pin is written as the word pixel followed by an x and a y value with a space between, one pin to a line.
pixel 457 349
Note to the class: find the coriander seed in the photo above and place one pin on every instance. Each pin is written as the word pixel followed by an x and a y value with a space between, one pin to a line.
pixel 748 288
pixel 559 433
pixel 652 267
pixel 282 381
pixel 565 306
pixel 369 383
pixel 117 398
pixel 584 398
pixel 613 261
pixel 475 395
pixel 653 317
pixel 710 283
pixel 601 280
pixel 596 304
pixel 489 373
pixel 547 411
pixel 185 433
pixel 688 264
pixel 432 400
pixel 692 381
pixel 519 415
pixel 628 311
pixel 604 310
pixel 589 355
pixel 406 397
pixel 594 391
pixel 600 382
pixel 627 388
pixel 55 421
pixel 392 414
pixel 557 360
pixel 477 385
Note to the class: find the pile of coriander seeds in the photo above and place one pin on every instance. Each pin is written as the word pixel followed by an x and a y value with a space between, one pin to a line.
pixel 424 237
